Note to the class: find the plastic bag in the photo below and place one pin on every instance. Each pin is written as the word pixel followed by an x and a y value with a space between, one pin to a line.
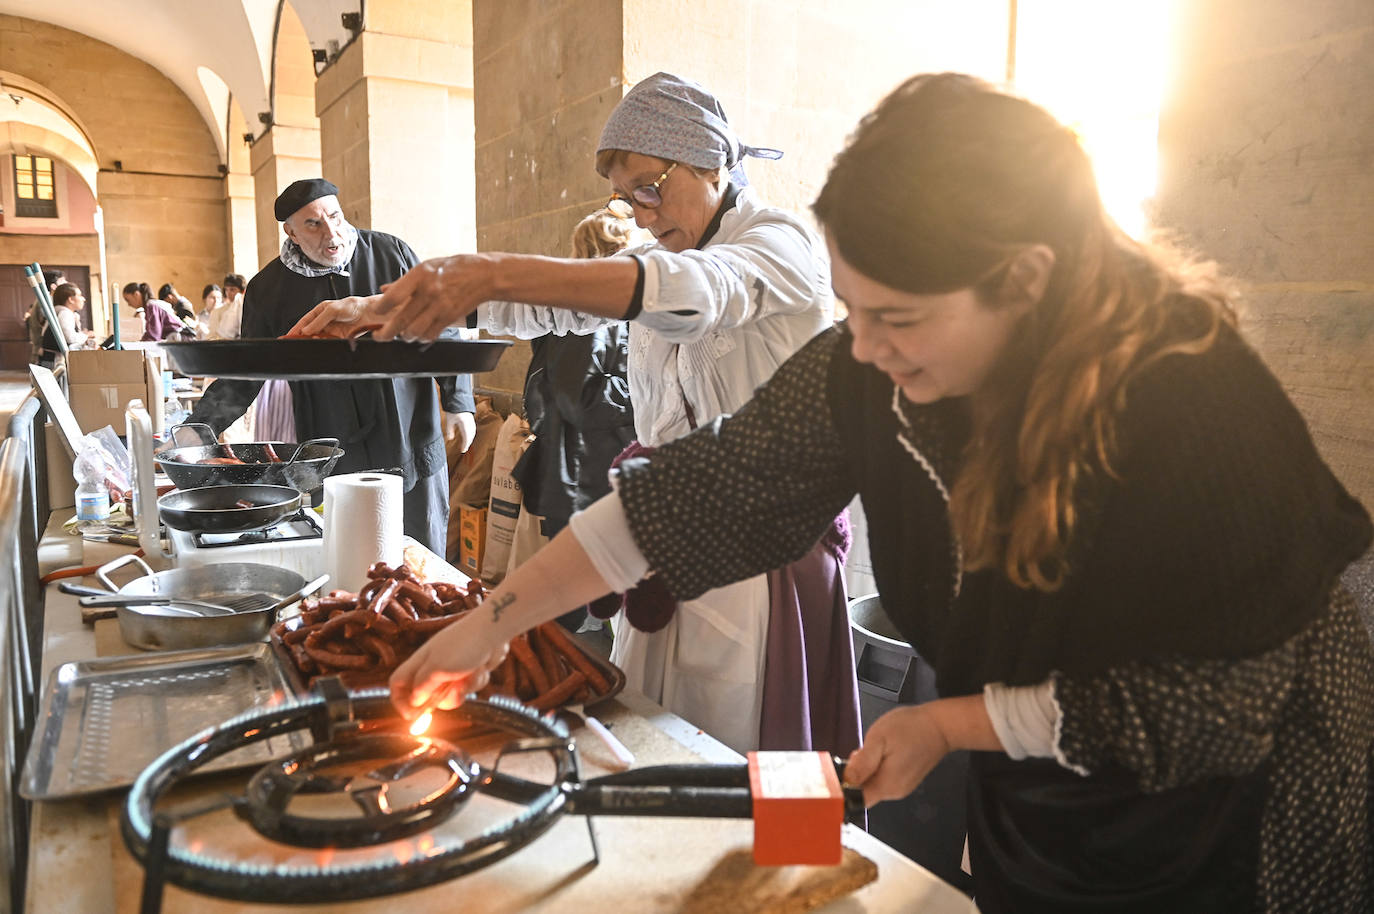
pixel 116 457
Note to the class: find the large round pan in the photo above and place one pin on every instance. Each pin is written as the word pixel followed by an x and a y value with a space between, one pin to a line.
pixel 304 360
pixel 217 509
pixel 161 628
pixel 302 466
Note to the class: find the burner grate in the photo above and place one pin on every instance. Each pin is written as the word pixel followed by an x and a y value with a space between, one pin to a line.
pixel 303 525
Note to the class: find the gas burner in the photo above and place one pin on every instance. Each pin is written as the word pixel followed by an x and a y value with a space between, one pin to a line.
pixel 350 779
pixel 300 526
pixel 368 810
pixel 372 795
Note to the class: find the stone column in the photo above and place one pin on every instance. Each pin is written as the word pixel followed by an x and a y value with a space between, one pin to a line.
pixel 284 153
pixel 243 231
pixel 290 148
pixel 396 124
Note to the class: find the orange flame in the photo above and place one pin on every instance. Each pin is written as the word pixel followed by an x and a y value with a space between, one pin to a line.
pixel 421 724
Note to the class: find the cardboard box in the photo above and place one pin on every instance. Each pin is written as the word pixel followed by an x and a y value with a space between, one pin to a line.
pixel 798 809
pixel 472 539
pixel 105 366
pixel 100 384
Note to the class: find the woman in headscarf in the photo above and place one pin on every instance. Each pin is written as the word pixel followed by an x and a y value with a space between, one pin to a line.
pixel 728 290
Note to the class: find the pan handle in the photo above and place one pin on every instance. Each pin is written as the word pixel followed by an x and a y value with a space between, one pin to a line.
pixel 328 442
pixel 103 572
pixel 211 439
pixel 81 590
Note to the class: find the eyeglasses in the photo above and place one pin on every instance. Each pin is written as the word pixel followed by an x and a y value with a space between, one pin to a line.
pixel 645 196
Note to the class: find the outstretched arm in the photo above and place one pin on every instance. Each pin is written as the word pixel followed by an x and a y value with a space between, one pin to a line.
pixel 442 292
pixel 458 660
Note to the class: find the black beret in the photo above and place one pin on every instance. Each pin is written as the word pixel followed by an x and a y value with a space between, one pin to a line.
pixel 300 193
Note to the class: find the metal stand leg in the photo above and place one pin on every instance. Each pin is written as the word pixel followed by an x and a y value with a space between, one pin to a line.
pixel 591 827
pixel 152 870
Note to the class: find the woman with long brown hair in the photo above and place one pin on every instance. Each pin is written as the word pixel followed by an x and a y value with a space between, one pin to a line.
pixel 1091 508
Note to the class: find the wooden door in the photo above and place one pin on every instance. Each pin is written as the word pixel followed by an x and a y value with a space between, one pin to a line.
pixel 16 296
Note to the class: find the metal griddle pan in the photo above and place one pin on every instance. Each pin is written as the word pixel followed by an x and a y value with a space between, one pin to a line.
pixel 306 360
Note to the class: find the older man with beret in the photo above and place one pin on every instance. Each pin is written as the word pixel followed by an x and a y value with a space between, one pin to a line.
pixel 379 423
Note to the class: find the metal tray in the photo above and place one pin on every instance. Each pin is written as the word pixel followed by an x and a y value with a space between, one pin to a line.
pixel 300 684
pixel 103 721
pixel 305 360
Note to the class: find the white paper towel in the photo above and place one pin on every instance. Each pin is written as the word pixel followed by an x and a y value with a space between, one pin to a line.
pixel 363 524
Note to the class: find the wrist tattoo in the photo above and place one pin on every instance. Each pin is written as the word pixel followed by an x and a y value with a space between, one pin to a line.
pixel 499 604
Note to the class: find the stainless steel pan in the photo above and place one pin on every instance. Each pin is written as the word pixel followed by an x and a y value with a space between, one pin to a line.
pixel 151 628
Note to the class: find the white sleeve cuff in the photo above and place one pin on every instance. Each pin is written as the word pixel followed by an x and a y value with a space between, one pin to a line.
pixel 603 531
pixel 1024 717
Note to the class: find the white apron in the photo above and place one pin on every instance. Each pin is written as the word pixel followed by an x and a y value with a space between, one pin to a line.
pixel 706 664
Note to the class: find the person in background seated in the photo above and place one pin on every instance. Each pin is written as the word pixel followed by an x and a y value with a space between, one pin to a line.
pixel 181 306
pixel 159 321
pixel 68 301
pixel 224 320
pixel 211 297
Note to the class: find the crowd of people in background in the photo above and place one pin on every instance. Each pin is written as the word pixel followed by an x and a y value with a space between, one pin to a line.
pixel 167 316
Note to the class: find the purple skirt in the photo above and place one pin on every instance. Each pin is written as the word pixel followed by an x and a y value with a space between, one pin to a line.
pixel 810 693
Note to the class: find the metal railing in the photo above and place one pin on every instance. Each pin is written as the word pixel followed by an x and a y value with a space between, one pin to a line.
pixel 24 512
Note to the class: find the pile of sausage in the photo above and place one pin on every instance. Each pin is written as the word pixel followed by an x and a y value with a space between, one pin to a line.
pixel 363 637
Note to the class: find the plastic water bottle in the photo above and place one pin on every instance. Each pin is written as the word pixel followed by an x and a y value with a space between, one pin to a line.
pixel 174 412
pixel 92 498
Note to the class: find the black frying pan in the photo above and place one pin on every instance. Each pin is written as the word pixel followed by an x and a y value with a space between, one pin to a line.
pixel 216 509
pixel 304 360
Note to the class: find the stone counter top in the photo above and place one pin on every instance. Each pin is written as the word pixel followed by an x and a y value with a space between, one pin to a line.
pixel 78 862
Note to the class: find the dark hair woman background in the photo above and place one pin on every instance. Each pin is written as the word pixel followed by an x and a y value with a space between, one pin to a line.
pixel 159 320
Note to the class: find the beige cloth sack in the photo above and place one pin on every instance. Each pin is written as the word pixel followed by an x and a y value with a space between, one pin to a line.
pixel 503 511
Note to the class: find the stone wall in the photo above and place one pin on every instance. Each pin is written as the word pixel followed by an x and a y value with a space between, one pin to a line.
pixel 395 112
pixel 289 150
pixel 164 207
pixel 163 229
pixel 546 76
pixel 792 76
pixel 798 76
pixel 1265 145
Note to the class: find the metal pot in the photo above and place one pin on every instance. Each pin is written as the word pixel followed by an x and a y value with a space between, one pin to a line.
pixel 216 509
pixel 304 470
pixel 151 629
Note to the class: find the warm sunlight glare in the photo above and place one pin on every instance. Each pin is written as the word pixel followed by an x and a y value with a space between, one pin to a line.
pixel 1099 66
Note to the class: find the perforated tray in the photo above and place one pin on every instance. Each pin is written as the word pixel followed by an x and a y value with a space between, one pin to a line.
pixel 103 721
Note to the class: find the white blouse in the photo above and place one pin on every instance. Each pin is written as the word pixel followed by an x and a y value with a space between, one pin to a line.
pixel 716 322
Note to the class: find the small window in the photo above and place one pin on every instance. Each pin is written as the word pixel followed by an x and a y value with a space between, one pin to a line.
pixel 34 191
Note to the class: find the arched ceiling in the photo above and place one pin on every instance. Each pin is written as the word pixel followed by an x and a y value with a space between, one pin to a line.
pixel 232 39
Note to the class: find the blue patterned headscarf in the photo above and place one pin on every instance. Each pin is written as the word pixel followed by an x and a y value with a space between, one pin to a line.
pixel 676 119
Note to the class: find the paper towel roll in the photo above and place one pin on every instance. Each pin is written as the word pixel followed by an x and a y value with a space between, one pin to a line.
pixel 363 524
